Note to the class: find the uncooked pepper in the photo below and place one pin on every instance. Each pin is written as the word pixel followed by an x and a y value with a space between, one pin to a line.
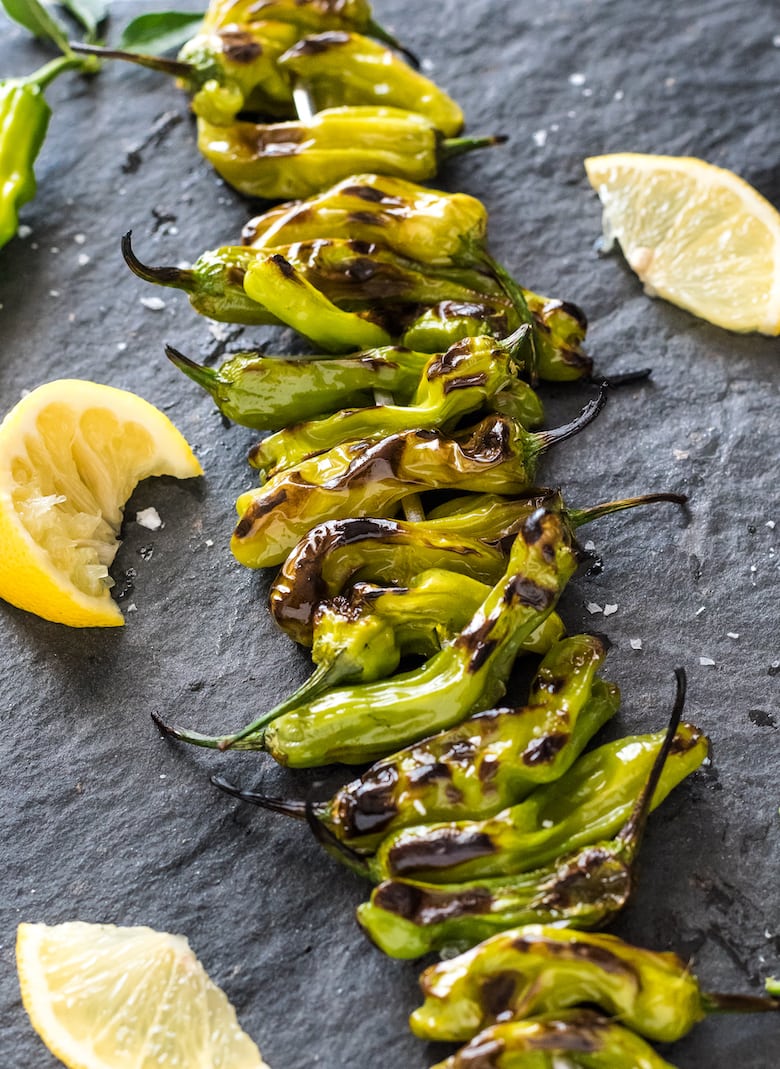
pixel 340 68
pixel 571 1038
pixel 471 536
pixel 358 724
pixel 271 392
pixel 591 802
pixel 369 479
pixel 464 380
pixel 24 119
pixel 446 776
pixel 298 159
pixel 543 969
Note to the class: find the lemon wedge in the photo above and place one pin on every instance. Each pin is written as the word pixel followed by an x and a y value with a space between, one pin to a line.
pixel 71 453
pixel 695 234
pixel 102 997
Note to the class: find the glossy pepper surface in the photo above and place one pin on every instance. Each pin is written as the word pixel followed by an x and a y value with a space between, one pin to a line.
pixel 358 724
pixel 591 802
pixel 24 119
pixel 573 1038
pixel 340 68
pixel 464 380
pixel 414 221
pixel 542 969
pixel 272 392
pixel 297 159
pixel 360 479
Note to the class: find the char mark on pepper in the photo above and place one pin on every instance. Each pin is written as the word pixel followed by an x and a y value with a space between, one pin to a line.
pixel 319 43
pixel 572 951
pixel 257 509
pixel 543 751
pixel 239 46
pixel 450 847
pixel 520 589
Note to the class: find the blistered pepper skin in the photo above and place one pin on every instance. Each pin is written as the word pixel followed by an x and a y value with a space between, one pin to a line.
pixel 542 969
pixel 591 802
pixel 574 1038
pixel 340 68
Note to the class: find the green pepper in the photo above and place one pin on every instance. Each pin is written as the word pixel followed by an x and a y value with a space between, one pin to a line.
pixel 589 803
pixel 24 119
pixel 573 1038
pixel 298 159
pixel 369 479
pixel 583 889
pixel 442 325
pixel 421 224
pixel 463 380
pixel 274 281
pixel 228 69
pixel 271 392
pixel 542 969
pixel 305 16
pixel 340 68
pixel 357 724
pixel 444 776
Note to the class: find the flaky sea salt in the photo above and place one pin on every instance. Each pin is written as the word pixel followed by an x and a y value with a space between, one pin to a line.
pixel 706 662
pixel 636 643
pixel 593 608
pixel 149 518
pixel 154 304
pixel 610 610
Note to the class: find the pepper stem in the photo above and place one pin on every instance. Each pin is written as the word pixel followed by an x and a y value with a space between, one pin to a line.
pixel 203 376
pixel 449 147
pixel 714 1003
pixel 578 517
pixel 515 294
pixel 294 809
pixel 552 437
pixel 175 67
pixel 325 837
pixel 373 29
pixel 180 278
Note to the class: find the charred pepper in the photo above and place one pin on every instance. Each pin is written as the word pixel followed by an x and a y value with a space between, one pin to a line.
pixel 592 801
pixel 543 969
pixel 297 159
pixel 340 68
pixel 443 776
pixel 369 479
pixel 357 724
pixel 572 1038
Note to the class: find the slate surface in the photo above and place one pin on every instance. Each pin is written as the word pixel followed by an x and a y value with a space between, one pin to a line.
pixel 101 820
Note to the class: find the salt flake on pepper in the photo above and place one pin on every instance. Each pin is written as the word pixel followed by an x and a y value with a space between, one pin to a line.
pixel 149 518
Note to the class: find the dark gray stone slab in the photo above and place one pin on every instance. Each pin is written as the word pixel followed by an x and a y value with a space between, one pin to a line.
pixel 101 820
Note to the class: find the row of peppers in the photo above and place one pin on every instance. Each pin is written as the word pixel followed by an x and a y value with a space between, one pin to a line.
pixel 489 831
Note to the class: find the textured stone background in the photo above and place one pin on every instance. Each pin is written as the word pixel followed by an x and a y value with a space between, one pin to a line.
pixel 103 821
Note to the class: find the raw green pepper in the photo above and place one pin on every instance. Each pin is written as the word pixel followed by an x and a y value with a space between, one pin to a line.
pixel 543 969
pixel 340 68
pixel 357 724
pixel 370 479
pixel 24 119
pixel 570 1039
pixel 592 801
pixel 454 384
pixel 271 392
pixel 445 776
pixel 297 159
pixel 470 536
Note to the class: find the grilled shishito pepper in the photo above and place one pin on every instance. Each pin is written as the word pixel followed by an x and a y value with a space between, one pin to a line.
pixel 542 969
pixel 583 889
pixel 427 225
pixel 574 1038
pixel 298 159
pixel 445 323
pixel 340 68
pixel 358 724
pixel 24 119
pixel 369 479
pixel 445 775
pixel 471 536
pixel 591 802
pixel 463 380
pixel 271 392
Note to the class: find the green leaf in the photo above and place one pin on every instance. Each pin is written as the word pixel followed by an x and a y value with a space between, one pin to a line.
pixel 90 13
pixel 39 20
pixel 158 33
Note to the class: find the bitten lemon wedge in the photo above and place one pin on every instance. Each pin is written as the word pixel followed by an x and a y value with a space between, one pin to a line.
pixel 71 453
pixel 103 997
pixel 695 234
